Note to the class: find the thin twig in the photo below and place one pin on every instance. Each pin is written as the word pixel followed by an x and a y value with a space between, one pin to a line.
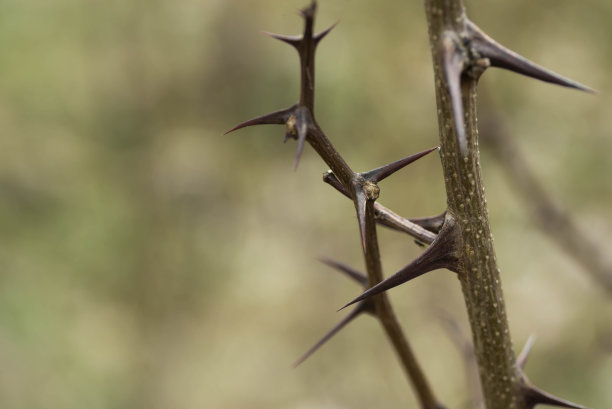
pixel 301 125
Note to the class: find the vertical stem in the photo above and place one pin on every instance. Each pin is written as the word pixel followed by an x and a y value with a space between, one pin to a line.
pixel 388 320
pixel 480 279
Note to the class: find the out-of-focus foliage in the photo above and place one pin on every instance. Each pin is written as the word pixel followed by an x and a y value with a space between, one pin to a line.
pixel 147 261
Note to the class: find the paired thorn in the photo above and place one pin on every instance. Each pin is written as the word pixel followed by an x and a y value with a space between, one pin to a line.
pixel 442 253
pixel 300 117
pixel 306 44
pixel 452 65
pixel 297 41
pixel 379 174
pixel 521 361
pixel 532 394
pixel 275 118
pixel 485 51
pixel 535 396
pixel 502 57
pixel 364 307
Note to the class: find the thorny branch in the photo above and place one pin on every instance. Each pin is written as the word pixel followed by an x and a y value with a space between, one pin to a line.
pixel 362 188
pixel 461 53
pixel 459 239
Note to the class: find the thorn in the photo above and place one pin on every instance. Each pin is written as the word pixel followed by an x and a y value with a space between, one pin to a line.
pixel 383 172
pixel 297 128
pixel 302 120
pixel 452 65
pixel 347 270
pixel 274 118
pixel 442 253
pixel 360 205
pixel 535 396
pixel 322 34
pixel 295 41
pixel 361 308
pixel 524 355
pixel 365 192
pixel 433 223
pixel 298 40
pixel 332 180
pixel 502 57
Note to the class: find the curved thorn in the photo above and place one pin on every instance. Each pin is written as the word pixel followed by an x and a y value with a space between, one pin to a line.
pixel 521 361
pixel 350 317
pixel 378 174
pixel 295 41
pixel 322 34
pixel 347 270
pixel 360 205
pixel 333 181
pixel 452 66
pixel 274 118
pixel 301 125
pixel 502 57
pixel 442 253
pixel 535 396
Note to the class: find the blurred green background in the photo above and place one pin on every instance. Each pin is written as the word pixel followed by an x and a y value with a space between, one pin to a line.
pixel 147 261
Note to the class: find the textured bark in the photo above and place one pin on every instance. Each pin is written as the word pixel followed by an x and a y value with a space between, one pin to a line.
pixel 479 273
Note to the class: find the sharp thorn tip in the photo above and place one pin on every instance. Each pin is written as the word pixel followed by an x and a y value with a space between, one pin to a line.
pixel 379 174
pixel 536 396
pixel 502 57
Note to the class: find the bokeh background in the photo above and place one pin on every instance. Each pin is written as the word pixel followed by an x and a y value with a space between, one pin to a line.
pixel 148 261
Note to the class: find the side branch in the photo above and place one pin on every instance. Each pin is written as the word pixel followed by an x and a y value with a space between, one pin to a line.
pixel 387 317
pixel 361 188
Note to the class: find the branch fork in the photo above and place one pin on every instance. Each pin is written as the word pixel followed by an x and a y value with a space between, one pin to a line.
pixel 462 52
pixel 443 252
pixel 298 118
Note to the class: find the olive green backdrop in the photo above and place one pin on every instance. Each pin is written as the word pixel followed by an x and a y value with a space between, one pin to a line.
pixel 148 261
